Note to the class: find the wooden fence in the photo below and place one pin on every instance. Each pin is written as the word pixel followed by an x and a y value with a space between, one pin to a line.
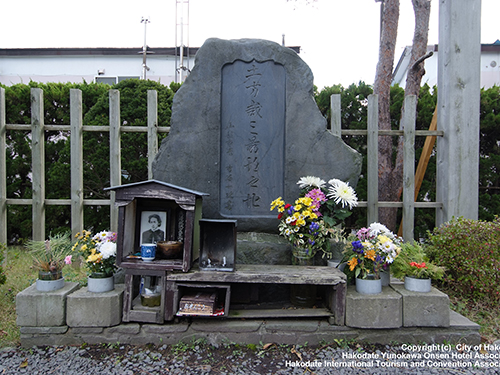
pixel 76 128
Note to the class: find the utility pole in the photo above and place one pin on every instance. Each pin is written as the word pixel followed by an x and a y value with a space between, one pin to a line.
pixel 144 52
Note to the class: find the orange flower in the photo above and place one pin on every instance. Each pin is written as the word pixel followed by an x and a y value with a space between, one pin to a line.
pixel 370 254
pixel 352 263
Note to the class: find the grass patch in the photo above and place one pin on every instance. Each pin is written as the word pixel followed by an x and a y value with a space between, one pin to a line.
pixel 20 275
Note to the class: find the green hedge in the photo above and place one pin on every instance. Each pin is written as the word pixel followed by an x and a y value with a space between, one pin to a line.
pixel 470 251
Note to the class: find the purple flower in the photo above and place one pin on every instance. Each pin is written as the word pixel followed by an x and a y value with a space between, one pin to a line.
pixel 357 247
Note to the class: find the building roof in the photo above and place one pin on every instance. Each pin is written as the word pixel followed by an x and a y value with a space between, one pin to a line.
pixel 101 51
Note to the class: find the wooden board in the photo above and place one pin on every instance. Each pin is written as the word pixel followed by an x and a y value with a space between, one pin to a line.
pixel 262 274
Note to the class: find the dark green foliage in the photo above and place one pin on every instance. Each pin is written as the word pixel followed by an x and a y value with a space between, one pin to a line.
pixel 57 172
pixel 489 178
pixel 354 116
pixel 57 148
pixel 470 251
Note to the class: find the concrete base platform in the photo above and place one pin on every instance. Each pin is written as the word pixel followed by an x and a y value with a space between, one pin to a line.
pixel 377 311
pixel 87 309
pixel 219 330
pixel 43 309
pixel 424 309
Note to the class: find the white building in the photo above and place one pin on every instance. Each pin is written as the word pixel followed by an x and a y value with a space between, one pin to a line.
pixel 490 66
pixel 108 65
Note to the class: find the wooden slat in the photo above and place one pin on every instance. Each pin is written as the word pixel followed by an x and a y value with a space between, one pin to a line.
pixel 335 115
pixel 280 313
pixel 264 274
pixel 38 164
pixel 152 129
pixel 3 170
pixel 76 118
pixel 114 153
pixel 372 160
pixel 409 119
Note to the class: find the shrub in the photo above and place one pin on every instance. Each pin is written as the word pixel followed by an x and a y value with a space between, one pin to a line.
pixel 470 251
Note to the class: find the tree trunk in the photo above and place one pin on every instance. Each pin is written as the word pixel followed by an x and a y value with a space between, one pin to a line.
pixel 422 10
pixel 382 88
pixel 391 175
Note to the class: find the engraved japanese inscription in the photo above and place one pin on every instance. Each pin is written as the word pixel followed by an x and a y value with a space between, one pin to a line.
pixel 252 137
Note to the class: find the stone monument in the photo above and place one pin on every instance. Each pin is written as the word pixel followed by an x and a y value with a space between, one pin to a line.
pixel 245 128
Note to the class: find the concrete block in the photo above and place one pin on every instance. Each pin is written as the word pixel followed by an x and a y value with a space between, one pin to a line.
pixel 430 309
pixel 86 309
pixel 43 309
pixel 377 311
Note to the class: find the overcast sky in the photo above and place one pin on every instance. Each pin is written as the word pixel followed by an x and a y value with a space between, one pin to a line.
pixel 338 38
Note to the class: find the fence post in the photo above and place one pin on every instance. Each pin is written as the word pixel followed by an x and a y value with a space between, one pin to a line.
pixel 409 118
pixel 38 164
pixel 115 168
pixel 76 122
pixel 372 159
pixel 152 130
pixel 3 169
pixel 335 115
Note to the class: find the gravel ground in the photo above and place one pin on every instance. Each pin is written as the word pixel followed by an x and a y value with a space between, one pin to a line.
pixel 201 358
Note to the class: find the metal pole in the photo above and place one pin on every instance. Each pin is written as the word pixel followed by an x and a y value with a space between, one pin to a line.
pixel 144 48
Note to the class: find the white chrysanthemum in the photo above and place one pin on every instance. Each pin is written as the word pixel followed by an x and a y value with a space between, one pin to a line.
pixel 342 193
pixel 311 181
pixel 377 228
pixel 107 249
pixel 335 182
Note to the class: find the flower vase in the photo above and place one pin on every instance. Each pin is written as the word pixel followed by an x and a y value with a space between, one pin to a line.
pixel 49 281
pixel 417 285
pixel 385 276
pixel 100 282
pixel 302 295
pixel 369 285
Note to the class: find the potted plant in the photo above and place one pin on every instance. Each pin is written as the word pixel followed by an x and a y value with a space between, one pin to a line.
pixel 99 255
pixel 49 258
pixel 305 226
pixel 414 267
pixel 372 251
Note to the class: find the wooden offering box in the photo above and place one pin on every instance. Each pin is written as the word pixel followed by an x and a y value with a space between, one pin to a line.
pixel 152 211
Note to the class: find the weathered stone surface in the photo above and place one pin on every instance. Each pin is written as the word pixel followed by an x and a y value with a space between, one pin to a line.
pixel 424 309
pixel 87 309
pixel 43 309
pixel 262 248
pixel 377 311
pixel 246 152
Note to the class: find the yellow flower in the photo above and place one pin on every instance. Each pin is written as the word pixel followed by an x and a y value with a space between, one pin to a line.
pixel 94 258
pixel 301 222
pixel 307 213
pixel 278 202
pixel 352 263
pixel 382 239
pixel 297 207
pixel 84 247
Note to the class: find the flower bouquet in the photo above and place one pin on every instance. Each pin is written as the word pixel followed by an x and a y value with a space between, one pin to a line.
pixel 300 224
pixel 333 203
pixel 373 250
pixel 98 252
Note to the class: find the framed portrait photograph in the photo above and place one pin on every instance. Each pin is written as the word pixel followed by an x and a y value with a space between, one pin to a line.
pixel 153 226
